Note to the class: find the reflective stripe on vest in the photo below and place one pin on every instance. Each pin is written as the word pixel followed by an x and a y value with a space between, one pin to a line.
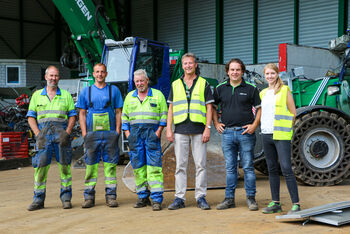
pixel 283 122
pixel 147 112
pixel 196 109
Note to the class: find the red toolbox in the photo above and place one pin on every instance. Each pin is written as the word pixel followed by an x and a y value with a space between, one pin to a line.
pixel 13 145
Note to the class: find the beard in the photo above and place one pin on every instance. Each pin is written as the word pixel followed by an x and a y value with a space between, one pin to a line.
pixel 52 84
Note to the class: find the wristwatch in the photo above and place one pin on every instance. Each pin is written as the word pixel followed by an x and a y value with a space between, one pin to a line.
pixel 208 126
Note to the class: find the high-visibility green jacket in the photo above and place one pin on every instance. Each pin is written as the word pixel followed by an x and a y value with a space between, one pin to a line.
pixel 59 109
pixel 283 122
pixel 152 110
pixel 196 108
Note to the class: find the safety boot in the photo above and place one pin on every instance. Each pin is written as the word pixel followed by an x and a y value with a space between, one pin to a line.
pixel 156 206
pixel 66 205
pixel 111 202
pixel 142 203
pixel 252 204
pixel 226 204
pixel 35 206
pixel 88 203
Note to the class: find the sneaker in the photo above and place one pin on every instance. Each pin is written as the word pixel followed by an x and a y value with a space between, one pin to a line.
pixel 111 202
pixel 295 208
pixel 202 203
pixel 273 207
pixel 66 205
pixel 226 204
pixel 177 204
pixel 156 206
pixel 142 203
pixel 35 206
pixel 88 203
pixel 252 205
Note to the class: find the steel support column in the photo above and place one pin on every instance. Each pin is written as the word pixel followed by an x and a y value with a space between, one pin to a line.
pixel 342 16
pixel 296 22
pixel 255 32
pixel 219 31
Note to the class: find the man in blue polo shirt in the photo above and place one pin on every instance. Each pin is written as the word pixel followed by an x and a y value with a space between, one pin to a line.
pixel 100 122
pixel 237 98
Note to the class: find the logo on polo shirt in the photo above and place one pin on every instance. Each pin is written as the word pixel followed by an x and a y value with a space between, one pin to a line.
pixel 244 94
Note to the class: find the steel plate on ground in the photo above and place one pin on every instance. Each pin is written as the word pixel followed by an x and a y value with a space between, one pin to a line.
pixel 316 210
pixel 336 218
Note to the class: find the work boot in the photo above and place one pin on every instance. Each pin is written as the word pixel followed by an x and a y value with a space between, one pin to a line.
pixel 273 207
pixel 202 203
pixel 226 204
pixel 177 204
pixel 111 202
pixel 252 205
pixel 35 206
pixel 142 202
pixel 66 205
pixel 156 206
pixel 295 208
pixel 88 203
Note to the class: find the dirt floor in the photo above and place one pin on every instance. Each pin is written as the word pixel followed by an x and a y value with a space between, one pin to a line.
pixel 17 189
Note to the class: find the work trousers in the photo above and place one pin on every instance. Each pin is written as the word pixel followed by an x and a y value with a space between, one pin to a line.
pixel 146 160
pixel 51 141
pixel 199 153
pixel 275 150
pixel 101 145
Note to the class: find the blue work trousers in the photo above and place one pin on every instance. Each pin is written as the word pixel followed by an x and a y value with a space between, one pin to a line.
pixel 145 156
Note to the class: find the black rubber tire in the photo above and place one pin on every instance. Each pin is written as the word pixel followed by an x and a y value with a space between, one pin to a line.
pixel 261 166
pixel 259 159
pixel 306 169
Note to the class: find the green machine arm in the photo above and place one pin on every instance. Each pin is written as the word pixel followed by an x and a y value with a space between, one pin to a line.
pixel 89 27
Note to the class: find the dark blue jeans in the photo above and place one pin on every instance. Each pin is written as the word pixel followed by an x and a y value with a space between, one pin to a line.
pixel 274 150
pixel 233 142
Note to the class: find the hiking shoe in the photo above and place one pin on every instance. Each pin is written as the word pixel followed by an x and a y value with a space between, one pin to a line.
pixel 227 203
pixel 111 202
pixel 202 203
pixel 66 205
pixel 252 205
pixel 295 208
pixel 88 203
pixel 156 206
pixel 142 203
pixel 177 204
pixel 273 207
pixel 35 206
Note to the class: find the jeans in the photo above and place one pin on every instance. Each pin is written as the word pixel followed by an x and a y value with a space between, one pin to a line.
pixel 233 142
pixel 274 150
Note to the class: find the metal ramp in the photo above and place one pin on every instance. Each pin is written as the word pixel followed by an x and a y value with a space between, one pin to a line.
pixel 333 213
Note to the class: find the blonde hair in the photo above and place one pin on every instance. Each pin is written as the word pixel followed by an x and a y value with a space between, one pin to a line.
pixel 278 83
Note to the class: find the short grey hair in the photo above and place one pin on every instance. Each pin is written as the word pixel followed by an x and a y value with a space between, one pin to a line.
pixel 189 55
pixel 141 72
pixel 49 67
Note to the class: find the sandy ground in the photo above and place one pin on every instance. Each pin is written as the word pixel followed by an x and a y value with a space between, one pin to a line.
pixel 17 188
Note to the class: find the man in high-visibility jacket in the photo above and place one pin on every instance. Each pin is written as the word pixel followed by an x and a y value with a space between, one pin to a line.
pixel 100 120
pixel 190 107
pixel 51 116
pixel 143 119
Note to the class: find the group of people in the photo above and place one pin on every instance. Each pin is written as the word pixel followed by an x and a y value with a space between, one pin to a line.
pixel 144 114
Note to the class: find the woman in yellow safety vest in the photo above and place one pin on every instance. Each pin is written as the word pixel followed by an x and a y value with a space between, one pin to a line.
pixel 277 117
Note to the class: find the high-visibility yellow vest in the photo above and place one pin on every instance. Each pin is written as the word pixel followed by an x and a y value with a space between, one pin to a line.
pixel 283 122
pixel 196 108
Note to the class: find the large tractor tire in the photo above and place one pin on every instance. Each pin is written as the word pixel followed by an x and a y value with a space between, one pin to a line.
pixel 259 158
pixel 321 148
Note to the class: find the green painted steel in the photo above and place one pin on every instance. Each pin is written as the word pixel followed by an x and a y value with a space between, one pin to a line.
pixel 88 32
pixel 255 32
pixel 219 31
pixel 342 16
pixel 296 22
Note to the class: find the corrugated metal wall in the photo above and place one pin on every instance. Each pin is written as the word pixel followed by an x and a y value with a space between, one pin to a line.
pixel 201 29
pixel 318 22
pixel 171 23
pixel 275 26
pixel 142 18
pixel 238 30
